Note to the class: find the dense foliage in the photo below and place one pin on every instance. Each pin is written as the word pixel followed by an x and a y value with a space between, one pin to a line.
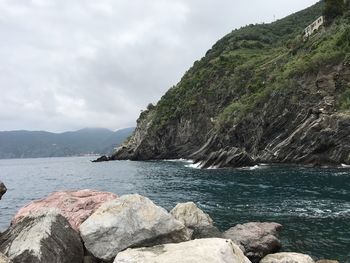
pixel 333 9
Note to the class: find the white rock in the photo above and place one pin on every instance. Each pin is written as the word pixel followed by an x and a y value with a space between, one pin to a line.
pixel 190 215
pixel 210 250
pixel 42 238
pixel 287 257
pixel 129 221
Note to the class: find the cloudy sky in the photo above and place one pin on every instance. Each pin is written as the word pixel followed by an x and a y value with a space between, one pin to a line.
pixel 70 64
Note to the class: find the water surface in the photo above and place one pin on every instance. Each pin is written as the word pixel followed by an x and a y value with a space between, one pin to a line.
pixel 312 204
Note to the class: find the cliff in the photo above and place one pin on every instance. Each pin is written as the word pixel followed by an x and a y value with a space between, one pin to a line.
pixel 261 94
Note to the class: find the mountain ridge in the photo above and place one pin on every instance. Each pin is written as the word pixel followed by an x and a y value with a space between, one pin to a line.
pixel 33 144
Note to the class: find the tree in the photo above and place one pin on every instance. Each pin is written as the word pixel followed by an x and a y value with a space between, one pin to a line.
pixel 347 4
pixel 333 9
pixel 150 106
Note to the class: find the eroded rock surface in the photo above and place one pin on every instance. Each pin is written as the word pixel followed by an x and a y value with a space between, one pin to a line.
pixel 213 250
pixel 76 206
pixel 46 237
pixel 130 221
pixel 256 239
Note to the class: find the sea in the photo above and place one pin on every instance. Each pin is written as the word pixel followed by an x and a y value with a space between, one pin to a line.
pixel 312 204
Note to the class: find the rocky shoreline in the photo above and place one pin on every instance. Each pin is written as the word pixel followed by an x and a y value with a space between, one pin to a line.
pixel 88 226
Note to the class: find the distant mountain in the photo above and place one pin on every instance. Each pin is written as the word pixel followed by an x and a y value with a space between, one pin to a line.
pixel 32 144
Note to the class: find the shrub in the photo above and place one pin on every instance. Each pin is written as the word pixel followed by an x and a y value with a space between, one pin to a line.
pixel 333 9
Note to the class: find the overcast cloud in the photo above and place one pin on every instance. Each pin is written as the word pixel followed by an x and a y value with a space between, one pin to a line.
pixel 69 64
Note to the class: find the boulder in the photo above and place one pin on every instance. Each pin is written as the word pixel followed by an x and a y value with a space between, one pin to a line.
pixel 211 250
pixel 3 189
pixel 129 221
pixel 42 238
pixel 190 215
pixel 287 257
pixel 76 206
pixel 256 239
pixel 4 259
pixel 194 218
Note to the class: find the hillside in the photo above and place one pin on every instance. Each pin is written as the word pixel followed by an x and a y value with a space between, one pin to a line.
pixel 260 94
pixel 32 144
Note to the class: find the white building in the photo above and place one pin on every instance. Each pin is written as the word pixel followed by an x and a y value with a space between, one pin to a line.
pixel 312 28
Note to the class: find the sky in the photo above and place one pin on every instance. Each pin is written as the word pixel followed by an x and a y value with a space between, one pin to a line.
pixel 71 64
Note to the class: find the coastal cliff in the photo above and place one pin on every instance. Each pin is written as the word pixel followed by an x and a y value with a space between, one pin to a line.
pixel 263 93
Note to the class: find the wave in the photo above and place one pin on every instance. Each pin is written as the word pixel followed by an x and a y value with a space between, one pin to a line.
pixel 194 165
pixel 178 160
pixel 255 167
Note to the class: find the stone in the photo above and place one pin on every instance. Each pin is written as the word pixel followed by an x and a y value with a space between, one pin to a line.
pixel 4 259
pixel 130 221
pixel 256 239
pixel 42 238
pixel 76 206
pixel 212 250
pixel 194 218
pixel 206 232
pixel 3 189
pixel 287 257
pixel 190 215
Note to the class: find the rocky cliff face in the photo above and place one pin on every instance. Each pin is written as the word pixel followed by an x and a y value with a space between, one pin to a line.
pixel 261 94
pixel 301 126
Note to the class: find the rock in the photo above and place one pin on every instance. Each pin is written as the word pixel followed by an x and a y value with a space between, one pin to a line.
pixel 256 239
pixel 228 157
pixel 212 250
pixel 103 158
pixel 4 259
pixel 3 189
pixel 190 215
pixel 287 257
pixel 206 232
pixel 76 206
pixel 194 218
pixel 129 221
pixel 42 238
pixel 327 261
pixel 89 258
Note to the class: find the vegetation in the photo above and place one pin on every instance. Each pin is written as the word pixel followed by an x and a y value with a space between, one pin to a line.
pixel 333 9
pixel 345 100
pixel 250 64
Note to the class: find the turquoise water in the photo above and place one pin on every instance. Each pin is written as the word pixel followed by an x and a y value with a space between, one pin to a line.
pixel 312 204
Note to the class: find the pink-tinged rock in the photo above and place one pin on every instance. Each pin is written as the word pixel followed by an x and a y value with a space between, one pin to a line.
pixel 75 206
